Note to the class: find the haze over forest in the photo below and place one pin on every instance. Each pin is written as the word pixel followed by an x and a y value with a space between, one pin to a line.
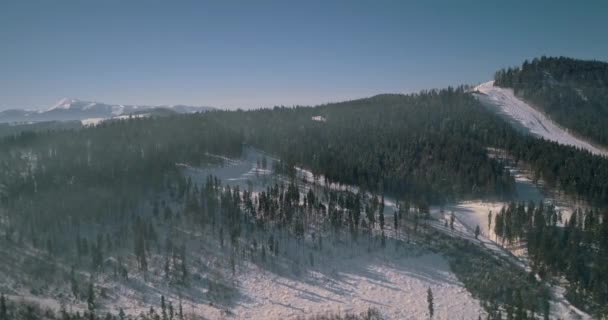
pixel 338 160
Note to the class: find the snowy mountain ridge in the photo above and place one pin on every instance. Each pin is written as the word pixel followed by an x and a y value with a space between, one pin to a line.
pixel 70 109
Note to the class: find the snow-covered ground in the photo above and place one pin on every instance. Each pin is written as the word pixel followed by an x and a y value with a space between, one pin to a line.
pixel 95 121
pixel 273 296
pixel 393 282
pixel 344 278
pixel 533 120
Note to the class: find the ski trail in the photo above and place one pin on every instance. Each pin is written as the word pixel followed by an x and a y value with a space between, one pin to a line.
pixel 535 121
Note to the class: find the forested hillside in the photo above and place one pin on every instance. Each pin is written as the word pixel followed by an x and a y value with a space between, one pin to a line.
pixel 54 182
pixel 110 201
pixel 574 93
pixel 428 147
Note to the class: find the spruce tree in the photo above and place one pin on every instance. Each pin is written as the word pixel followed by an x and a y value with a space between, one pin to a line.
pixel 163 308
pixel 3 308
pixel 74 283
pixel 490 220
pixel 181 311
pixel 91 301
pixel 395 220
pixel 452 219
pixel 429 300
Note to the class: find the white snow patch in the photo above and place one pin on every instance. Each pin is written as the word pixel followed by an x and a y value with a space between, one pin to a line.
pixel 319 118
pixel 532 119
pixel 89 106
pixel 396 287
pixel 581 94
pixel 96 121
pixel 130 116
pixel 118 110
pixel 64 103
pixel 91 121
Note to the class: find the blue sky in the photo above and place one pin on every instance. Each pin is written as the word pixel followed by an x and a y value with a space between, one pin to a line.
pixel 263 53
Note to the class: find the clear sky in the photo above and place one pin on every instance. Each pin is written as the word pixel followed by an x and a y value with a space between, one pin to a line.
pixel 264 53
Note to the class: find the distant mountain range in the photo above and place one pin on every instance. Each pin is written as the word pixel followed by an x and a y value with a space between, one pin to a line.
pixel 73 109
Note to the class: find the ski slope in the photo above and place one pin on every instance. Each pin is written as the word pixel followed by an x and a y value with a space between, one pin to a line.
pixel 533 120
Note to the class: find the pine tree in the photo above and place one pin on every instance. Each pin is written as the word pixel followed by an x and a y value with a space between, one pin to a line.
pixel 163 308
pixel 490 220
pixel 3 308
pixel 74 283
pixel 91 300
pixel 452 219
pixel 140 245
pixel 181 311
pixel 62 311
pixel 395 220
pixel 429 299
pixel 477 231
pixel 184 267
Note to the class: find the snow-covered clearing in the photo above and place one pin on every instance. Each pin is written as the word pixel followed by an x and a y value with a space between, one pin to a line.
pixel 281 297
pixel 393 282
pixel 91 121
pixel 530 118
pixel 345 277
pixel 95 121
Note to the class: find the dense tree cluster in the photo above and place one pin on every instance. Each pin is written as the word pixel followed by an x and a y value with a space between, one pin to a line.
pixel 10 310
pixel 66 182
pixel 429 146
pixel 576 248
pixel 578 173
pixel 572 92
pixel 506 291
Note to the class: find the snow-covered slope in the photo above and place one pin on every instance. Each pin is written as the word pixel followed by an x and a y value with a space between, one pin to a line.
pixel 394 282
pixel 531 119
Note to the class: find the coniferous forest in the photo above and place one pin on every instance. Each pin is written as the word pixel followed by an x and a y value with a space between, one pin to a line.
pixel 111 200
